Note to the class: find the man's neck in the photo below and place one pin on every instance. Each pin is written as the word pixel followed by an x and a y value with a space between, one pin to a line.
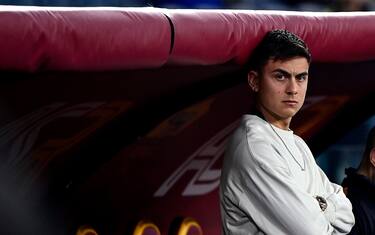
pixel 274 119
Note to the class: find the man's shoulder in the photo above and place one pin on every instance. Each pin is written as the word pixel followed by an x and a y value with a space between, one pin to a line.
pixel 299 139
pixel 253 135
pixel 251 128
pixel 254 146
pixel 256 128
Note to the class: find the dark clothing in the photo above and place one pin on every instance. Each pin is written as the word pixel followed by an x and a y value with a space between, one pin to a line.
pixel 361 193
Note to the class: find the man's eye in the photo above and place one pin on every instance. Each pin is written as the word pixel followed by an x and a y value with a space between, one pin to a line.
pixel 280 77
pixel 302 78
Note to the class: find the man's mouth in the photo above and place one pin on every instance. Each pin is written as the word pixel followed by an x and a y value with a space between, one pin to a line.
pixel 290 102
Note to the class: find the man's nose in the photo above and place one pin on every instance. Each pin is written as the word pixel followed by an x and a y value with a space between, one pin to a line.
pixel 292 87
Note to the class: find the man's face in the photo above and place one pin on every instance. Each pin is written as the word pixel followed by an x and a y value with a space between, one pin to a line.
pixel 281 87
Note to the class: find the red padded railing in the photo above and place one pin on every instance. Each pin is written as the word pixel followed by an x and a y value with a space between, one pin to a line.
pixel 83 39
pixel 214 37
pixel 97 39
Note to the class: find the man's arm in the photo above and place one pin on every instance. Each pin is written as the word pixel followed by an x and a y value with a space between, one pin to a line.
pixel 339 209
pixel 271 197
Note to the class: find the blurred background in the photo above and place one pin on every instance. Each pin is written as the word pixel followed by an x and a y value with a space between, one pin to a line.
pixel 295 5
pixel 109 177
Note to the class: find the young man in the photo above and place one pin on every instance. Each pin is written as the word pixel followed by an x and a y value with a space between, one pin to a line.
pixel 360 188
pixel 270 183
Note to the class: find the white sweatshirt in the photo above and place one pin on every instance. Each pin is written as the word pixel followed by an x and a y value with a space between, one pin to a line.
pixel 263 190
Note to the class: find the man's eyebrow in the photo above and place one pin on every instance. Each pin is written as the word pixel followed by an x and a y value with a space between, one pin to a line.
pixel 286 73
pixel 282 71
pixel 302 74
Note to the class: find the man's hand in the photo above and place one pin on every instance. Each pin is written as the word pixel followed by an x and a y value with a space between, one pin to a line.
pixel 322 202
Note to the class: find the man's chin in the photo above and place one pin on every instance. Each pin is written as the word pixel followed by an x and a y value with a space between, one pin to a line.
pixel 288 114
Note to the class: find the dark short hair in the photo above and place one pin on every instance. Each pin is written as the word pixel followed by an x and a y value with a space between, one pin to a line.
pixel 370 142
pixel 277 45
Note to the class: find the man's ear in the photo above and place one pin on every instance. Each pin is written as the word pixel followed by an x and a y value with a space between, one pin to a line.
pixel 372 157
pixel 253 80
